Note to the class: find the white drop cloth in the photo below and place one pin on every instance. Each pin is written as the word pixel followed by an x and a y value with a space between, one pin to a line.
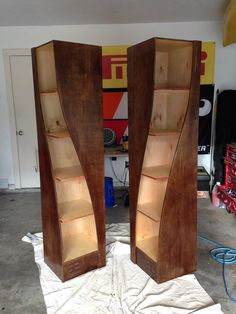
pixel 120 287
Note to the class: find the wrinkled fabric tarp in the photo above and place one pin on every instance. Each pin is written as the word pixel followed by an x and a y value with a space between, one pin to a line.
pixel 121 287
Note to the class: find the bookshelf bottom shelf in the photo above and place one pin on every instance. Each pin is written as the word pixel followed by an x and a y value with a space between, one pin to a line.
pixel 78 245
pixel 149 246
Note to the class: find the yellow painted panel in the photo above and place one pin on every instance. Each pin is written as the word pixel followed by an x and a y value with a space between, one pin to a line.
pixel 114 66
pixel 207 63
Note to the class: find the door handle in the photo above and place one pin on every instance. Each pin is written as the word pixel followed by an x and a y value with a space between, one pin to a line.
pixel 20 132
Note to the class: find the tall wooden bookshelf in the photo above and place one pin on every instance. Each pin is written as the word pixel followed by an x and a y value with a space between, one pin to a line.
pixel 163 94
pixel 68 93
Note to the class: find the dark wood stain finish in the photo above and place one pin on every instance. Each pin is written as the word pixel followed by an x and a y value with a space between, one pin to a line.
pixel 79 85
pixel 140 69
pixel 78 72
pixel 177 238
pixel 177 235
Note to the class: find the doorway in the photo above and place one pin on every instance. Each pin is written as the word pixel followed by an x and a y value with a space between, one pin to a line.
pixel 20 94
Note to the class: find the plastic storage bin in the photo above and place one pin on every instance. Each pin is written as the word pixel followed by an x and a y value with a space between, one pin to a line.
pixel 109 193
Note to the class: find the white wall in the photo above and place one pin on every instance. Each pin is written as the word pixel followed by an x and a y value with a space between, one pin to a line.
pixel 125 34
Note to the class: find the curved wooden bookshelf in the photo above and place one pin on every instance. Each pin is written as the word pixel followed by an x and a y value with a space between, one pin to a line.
pixel 67 80
pixel 163 81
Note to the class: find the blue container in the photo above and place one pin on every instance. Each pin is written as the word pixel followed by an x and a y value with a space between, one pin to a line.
pixel 109 193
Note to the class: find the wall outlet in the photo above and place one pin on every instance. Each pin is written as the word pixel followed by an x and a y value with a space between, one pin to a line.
pixel 126 164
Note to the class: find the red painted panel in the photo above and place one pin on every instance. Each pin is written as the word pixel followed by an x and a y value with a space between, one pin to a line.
pixel 110 102
pixel 119 126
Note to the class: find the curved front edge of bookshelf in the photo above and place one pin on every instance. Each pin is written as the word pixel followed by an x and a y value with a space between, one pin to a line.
pixel 51 230
pixel 83 116
pixel 138 63
pixel 177 235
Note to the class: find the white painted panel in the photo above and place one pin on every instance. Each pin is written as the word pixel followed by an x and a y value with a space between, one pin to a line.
pixel 23 99
pixel 122 110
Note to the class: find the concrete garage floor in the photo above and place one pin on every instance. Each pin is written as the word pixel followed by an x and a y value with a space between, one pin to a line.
pixel 20 290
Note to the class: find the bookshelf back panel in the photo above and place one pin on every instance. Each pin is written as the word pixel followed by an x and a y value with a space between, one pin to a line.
pixel 160 151
pixel 85 225
pixel 151 191
pixel 169 109
pixel 145 227
pixel 52 113
pixel 62 153
pixel 172 61
pixel 73 190
pixel 147 232
pixel 46 68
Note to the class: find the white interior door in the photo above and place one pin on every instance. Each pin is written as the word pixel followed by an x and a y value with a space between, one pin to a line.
pixel 21 82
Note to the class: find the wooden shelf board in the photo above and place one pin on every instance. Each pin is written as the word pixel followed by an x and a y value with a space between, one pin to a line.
pixel 149 246
pixel 48 93
pixel 151 210
pixel 68 173
pixel 77 245
pixel 171 89
pixel 158 172
pixel 75 209
pixel 62 134
pixel 163 132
